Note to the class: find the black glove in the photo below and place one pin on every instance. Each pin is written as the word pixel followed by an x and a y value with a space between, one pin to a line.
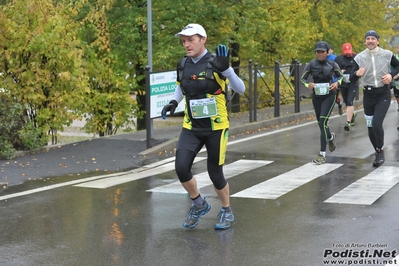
pixel 222 59
pixel 171 107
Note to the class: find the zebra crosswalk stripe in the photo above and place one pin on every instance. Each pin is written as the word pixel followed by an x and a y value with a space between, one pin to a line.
pixel 129 177
pixel 284 183
pixel 203 180
pixel 368 189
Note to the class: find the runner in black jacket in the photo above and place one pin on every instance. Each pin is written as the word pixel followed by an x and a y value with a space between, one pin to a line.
pixel 205 122
pixel 324 94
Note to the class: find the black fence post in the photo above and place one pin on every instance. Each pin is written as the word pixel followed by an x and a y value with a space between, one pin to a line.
pixel 148 107
pixel 250 89
pixel 276 89
pixel 296 85
pixel 255 91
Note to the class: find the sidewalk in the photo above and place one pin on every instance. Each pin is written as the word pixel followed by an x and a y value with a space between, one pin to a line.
pixel 126 151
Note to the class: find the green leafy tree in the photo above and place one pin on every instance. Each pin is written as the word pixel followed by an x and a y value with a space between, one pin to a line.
pixel 128 39
pixel 57 62
pixel 109 105
pixel 348 21
pixel 41 61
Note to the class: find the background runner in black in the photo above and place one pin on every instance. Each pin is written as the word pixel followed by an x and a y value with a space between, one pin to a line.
pixel 348 89
pixel 324 94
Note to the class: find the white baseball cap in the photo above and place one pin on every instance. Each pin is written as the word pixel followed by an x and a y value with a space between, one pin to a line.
pixel 192 29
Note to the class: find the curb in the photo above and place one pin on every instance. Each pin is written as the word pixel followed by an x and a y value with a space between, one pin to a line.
pixel 163 147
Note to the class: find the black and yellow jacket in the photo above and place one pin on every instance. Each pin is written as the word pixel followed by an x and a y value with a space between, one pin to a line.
pixel 200 81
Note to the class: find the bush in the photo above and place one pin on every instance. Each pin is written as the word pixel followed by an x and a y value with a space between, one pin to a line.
pixel 31 137
pixel 7 151
pixel 16 131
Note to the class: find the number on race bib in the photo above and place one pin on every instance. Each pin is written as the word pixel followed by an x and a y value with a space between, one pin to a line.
pixel 321 88
pixel 202 108
pixel 205 110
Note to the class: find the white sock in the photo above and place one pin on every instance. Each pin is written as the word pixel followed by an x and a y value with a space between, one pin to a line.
pixel 323 153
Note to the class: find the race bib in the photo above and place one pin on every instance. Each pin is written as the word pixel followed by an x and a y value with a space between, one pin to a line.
pixel 369 120
pixel 346 78
pixel 201 108
pixel 321 88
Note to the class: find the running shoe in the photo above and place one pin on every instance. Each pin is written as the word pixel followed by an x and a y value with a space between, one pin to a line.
pixel 225 218
pixel 347 126
pixel 379 158
pixel 320 159
pixel 353 122
pixel 331 143
pixel 195 213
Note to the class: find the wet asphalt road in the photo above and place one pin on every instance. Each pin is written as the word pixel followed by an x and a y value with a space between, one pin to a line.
pixel 125 224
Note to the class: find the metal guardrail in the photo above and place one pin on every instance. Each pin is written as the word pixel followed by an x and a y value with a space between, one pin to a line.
pixel 269 86
pixel 272 86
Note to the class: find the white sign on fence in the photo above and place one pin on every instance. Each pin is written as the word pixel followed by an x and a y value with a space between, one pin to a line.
pixel 162 88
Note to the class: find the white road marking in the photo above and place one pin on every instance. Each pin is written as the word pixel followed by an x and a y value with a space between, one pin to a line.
pixel 203 180
pixel 368 189
pixel 41 189
pixel 129 177
pixel 167 160
pixel 284 183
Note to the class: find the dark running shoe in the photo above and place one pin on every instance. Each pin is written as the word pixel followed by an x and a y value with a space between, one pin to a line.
pixel 347 126
pixel 225 218
pixel 379 158
pixel 195 213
